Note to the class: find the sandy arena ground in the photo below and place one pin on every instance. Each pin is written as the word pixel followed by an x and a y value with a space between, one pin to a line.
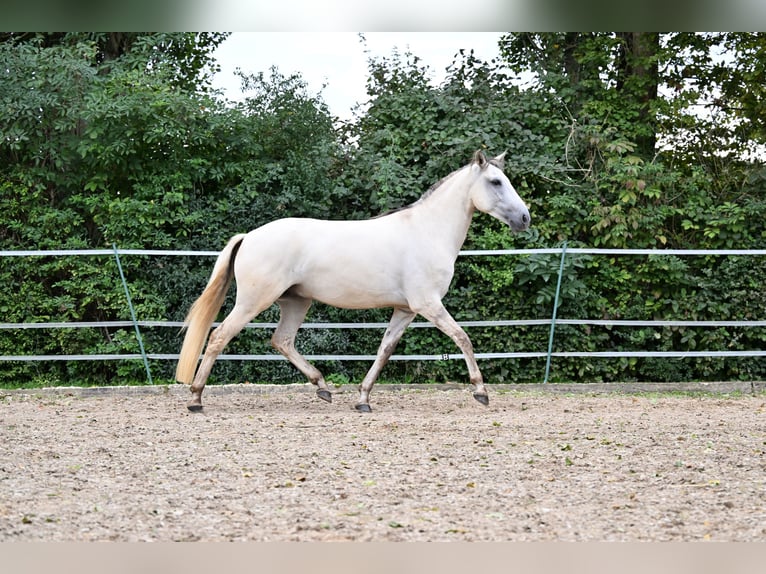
pixel 278 464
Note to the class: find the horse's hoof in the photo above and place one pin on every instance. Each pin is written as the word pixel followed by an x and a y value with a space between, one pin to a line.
pixel 194 407
pixel 324 395
pixel 363 408
pixel 482 398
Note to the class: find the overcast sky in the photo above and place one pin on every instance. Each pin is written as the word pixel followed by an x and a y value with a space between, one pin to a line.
pixel 338 59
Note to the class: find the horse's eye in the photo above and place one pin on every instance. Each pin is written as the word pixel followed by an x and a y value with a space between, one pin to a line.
pixel 496 182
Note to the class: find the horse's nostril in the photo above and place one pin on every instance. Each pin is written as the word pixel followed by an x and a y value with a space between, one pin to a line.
pixel 525 219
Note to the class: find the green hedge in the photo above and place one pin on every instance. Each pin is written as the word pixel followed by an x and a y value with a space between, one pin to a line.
pixel 93 156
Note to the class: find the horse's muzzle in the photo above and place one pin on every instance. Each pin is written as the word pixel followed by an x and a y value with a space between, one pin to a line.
pixel 520 221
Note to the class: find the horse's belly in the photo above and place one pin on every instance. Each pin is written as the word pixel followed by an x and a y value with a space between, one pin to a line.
pixel 348 295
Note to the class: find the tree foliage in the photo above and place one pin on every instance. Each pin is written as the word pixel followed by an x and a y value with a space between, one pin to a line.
pixel 621 140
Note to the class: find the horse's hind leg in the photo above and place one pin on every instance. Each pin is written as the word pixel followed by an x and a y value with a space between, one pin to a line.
pixel 219 338
pixel 399 322
pixel 234 322
pixel 293 310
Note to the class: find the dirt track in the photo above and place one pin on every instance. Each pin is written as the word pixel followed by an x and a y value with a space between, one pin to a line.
pixel 425 465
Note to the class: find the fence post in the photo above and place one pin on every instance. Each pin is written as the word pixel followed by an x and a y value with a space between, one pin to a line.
pixel 553 317
pixel 133 315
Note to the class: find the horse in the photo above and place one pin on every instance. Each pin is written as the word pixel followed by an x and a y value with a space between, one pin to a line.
pixel 403 259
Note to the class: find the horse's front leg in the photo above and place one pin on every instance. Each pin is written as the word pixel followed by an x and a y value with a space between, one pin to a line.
pixel 439 316
pixel 400 320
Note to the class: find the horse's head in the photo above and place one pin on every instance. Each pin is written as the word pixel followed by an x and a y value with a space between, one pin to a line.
pixel 493 193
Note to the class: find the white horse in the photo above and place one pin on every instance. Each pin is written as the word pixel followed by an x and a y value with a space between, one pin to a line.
pixel 404 259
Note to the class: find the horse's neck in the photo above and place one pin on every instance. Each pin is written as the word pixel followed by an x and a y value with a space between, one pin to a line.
pixel 446 213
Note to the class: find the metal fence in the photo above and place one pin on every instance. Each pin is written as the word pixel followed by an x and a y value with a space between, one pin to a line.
pixel 553 322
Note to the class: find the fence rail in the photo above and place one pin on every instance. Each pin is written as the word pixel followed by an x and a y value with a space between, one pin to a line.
pixel 552 322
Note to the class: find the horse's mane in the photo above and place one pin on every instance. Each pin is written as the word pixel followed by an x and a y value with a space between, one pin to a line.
pixel 430 190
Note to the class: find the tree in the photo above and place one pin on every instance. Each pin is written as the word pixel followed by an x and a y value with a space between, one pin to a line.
pixel 698 185
pixel 115 139
pixel 118 139
pixel 189 55
pixel 596 76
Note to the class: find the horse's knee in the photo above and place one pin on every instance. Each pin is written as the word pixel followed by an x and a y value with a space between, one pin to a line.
pixel 281 345
pixel 464 342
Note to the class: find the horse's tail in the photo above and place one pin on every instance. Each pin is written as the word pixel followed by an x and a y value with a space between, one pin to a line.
pixel 204 310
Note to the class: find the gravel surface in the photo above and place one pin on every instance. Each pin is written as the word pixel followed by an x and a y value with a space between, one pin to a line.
pixel 426 465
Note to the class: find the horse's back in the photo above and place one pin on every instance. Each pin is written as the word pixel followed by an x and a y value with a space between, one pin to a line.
pixel 296 237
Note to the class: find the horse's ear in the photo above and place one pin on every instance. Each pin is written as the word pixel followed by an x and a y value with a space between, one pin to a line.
pixel 499 161
pixel 479 159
